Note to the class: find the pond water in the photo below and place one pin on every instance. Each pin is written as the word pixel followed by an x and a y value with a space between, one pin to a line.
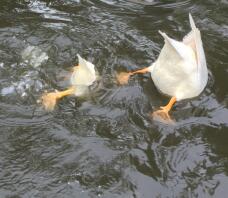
pixel 106 144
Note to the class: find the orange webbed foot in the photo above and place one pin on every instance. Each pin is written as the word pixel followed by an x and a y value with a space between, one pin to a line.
pixel 162 115
pixel 49 100
pixel 123 77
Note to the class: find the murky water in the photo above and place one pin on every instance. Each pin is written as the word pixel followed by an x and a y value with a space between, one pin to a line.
pixel 106 145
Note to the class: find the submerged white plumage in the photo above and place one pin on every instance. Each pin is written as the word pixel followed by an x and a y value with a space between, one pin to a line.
pixel 181 69
pixel 83 76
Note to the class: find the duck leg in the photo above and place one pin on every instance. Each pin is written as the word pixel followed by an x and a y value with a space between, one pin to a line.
pixel 49 99
pixel 163 113
pixel 123 77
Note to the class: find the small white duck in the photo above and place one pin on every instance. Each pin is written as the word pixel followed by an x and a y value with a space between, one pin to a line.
pixel 180 70
pixel 82 77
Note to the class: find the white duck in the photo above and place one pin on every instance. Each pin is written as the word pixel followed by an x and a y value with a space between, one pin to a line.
pixel 180 70
pixel 83 76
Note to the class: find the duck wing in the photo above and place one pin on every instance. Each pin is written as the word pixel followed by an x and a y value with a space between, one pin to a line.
pixel 181 51
pixel 193 39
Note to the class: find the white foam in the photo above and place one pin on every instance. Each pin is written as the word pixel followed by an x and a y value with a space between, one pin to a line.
pixel 34 56
pixel 48 12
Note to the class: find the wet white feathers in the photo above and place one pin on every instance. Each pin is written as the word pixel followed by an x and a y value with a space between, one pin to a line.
pixel 83 76
pixel 181 69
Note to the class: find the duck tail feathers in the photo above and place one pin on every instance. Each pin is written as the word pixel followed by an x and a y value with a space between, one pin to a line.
pixel 165 36
pixel 192 23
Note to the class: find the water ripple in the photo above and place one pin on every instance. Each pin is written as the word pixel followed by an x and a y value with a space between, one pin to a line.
pixel 106 144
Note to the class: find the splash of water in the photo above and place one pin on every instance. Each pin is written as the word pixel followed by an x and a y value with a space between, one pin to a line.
pixel 34 56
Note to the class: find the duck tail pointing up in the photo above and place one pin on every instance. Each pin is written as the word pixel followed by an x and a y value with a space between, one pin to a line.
pixel 192 23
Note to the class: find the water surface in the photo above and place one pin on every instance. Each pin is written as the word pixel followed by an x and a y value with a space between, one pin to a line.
pixel 106 145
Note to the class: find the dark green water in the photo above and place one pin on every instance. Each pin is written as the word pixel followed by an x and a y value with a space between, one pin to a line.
pixel 106 145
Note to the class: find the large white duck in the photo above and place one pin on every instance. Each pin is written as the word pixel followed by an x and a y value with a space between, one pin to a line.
pixel 180 70
pixel 82 77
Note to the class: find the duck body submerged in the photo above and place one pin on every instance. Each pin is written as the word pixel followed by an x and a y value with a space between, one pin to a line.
pixel 180 70
pixel 82 77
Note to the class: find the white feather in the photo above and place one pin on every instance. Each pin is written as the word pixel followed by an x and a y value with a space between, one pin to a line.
pixel 180 69
pixel 83 76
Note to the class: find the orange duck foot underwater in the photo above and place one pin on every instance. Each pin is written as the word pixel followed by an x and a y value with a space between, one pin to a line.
pixel 49 100
pixel 163 114
pixel 123 77
pixel 83 76
pixel 180 70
